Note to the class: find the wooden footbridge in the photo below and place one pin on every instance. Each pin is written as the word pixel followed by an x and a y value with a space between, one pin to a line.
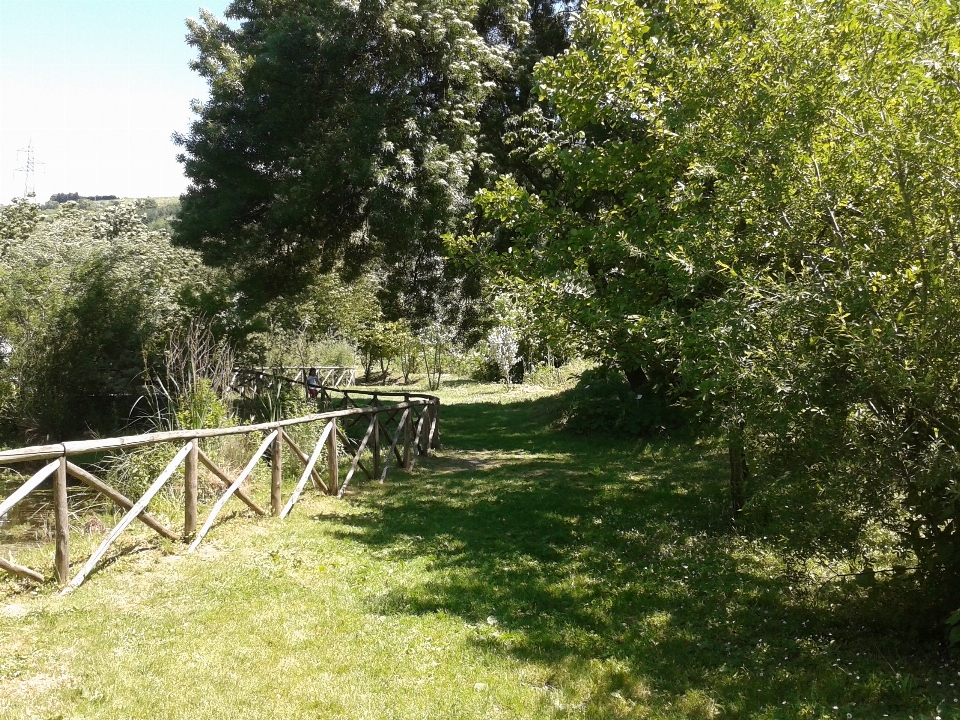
pixel 394 427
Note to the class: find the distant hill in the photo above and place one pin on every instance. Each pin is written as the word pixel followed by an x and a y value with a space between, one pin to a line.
pixel 157 212
pixel 67 197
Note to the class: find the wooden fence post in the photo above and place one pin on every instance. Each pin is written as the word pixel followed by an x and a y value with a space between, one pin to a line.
pixel 333 463
pixel 435 427
pixel 407 435
pixel 61 518
pixel 427 425
pixel 375 445
pixel 190 489
pixel 276 474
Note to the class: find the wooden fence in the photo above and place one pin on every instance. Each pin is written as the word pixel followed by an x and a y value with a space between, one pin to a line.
pixel 248 382
pixel 398 426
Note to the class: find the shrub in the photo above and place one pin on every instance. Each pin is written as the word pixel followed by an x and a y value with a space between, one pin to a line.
pixel 548 375
pixel 602 402
pixel 502 349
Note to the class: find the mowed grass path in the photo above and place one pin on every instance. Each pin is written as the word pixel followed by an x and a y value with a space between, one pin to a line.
pixel 522 572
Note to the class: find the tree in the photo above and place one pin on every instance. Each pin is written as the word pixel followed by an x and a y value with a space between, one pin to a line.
pixel 759 201
pixel 86 303
pixel 337 135
pixel 351 137
pixel 592 237
pixel 502 349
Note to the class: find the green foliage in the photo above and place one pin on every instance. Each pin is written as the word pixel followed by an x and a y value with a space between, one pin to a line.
pixel 159 213
pixel 435 345
pixel 383 342
pixel 86 303
pixel 602 403
pixel 201 407
pixel 378 341
pixel 755 204
pixel 90 352
pixel 281 401
pixel 502 349
pixel 17 221
pixel 320 325
pixel 552 375
pixel 132 473
pixel 330 307
pixel 407 351
pixel 351 137
pixel 481 369
pixel 954 622
pixel 337 132
pixel 192 389
pixel 335 353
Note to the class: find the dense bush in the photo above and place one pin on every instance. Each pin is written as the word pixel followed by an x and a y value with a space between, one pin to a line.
pixel 87 301
pixel 603 403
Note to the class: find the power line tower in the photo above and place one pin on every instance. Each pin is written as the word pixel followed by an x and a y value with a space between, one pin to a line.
pixel 29 170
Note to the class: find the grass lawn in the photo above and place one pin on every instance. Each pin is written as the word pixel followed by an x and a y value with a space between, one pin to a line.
pixel 521 572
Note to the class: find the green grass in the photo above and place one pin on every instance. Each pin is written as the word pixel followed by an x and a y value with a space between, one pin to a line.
pixel 521 572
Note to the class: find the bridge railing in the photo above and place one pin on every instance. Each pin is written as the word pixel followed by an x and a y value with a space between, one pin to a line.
pixel 398 426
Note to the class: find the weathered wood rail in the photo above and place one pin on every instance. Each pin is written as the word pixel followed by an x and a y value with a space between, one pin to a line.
pixel 399 426
pixel 251 381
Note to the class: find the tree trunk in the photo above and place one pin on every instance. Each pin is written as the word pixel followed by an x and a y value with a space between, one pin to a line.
pixel 738 472
pixel 637 378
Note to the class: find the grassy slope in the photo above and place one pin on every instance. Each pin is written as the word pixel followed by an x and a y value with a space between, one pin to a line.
pixel 522 572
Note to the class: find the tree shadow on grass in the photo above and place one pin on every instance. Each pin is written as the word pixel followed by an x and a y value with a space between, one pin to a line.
pixel 589 553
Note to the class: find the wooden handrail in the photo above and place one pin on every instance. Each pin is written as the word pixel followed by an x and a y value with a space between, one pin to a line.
pixel 218 506
pixel 326 375
pixel 80 447
pixel 226 481
pixel 101 487
pixel 21 570
pixel 308 470
pixel 380 416
pixel 25 489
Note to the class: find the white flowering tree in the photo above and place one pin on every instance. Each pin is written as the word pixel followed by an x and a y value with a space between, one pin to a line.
pixel 502 346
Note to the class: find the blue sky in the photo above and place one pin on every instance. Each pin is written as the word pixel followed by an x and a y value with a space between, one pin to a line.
pixel 98 86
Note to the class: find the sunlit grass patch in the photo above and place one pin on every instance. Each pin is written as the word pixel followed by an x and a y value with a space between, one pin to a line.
pixel 262 624
pixel 520 572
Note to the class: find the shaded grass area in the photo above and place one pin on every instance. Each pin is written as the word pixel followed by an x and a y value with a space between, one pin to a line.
pixel 611 563
pixel 521 572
